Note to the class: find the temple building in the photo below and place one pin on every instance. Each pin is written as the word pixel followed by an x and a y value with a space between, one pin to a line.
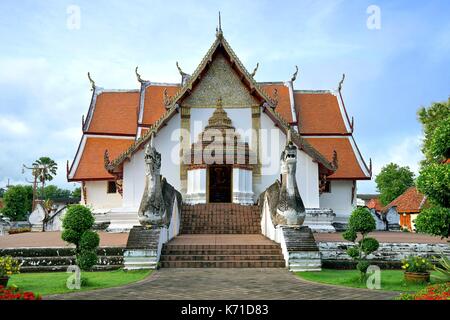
pixel 221 136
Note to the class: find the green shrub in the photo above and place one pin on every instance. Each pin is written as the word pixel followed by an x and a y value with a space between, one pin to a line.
pixel 78 218
pixel 434 182
pixel 77 225
pixel 361 221
pixel 353 252
pixel 86 259
pixel 443 267
pixel 369 245
pixel 89 240
pixel 362 266
pixel 350 235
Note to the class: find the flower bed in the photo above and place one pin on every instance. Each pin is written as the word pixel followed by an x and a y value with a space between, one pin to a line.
pixel 433 292
pixel 13 293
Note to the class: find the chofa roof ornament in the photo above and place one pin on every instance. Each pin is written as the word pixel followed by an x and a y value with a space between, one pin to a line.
pixel 341 82
pixel 219 32
pixel 138 76
pixel 254 70
pixel 294 76
pixel 184 76
pixel 91 81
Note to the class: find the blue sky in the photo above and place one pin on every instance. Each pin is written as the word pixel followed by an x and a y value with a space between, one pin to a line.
pixel 390 72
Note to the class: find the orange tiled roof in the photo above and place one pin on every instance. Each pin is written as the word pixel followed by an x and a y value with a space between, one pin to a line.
pixel 348 166
pixel 376 204
pixel 284 102
pixel 410 201
pixel 154 106
pixel 319 113
pixel 91 165
pixel 115 113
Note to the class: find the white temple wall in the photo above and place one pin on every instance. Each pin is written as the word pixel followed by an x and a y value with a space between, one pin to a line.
pixel 272 144
pixel 98 198
pixel 167 143
pixel 339 199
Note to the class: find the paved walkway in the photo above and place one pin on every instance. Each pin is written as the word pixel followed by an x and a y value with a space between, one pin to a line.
pixel 227 284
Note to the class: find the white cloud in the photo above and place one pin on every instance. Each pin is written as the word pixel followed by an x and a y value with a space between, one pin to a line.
pixel 12 126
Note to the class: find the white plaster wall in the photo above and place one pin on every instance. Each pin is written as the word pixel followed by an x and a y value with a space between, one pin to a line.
pixel 167 143
pixel 241 119
pixel 272 142
pixel 98 198
pixel 339 199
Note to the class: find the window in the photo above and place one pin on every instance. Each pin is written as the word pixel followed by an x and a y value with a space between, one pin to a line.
pixel 327 188
pixel 112 187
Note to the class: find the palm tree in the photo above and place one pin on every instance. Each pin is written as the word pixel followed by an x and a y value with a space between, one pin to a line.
pixel 45 170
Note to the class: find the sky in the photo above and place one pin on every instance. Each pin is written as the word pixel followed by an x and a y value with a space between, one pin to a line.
pixel 395 54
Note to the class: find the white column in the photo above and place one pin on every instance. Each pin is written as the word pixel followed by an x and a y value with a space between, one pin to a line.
pixel 196 186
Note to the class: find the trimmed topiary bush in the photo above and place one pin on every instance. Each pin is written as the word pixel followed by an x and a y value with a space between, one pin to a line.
pixel 77 225
pixel 361 221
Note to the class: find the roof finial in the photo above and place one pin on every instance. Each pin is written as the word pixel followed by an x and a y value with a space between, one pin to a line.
pixel 254 70
pixel 341 82
pixel 219 27
pixel 138 76
pixel 92 81
pixel 294 76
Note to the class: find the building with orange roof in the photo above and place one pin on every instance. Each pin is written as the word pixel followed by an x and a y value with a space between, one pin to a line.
pixel 109 161
pixel 408 206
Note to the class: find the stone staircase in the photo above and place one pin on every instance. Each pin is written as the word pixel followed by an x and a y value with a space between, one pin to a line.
pixel 220 218
pixel 304 254
pixel 222 251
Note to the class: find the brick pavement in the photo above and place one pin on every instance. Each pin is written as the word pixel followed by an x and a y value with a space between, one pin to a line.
pixel 227 284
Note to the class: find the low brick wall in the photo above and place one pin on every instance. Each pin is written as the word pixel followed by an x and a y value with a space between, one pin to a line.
pixel 58 259
pixel 388 255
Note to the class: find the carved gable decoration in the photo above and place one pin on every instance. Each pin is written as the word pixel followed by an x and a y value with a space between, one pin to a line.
pixel 220 80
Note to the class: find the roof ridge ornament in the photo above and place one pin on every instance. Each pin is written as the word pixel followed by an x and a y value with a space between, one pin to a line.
pixel 254 70
pixel 341 82
pixel 184 76
pixel 219 32
pixel 91 81
pixel 138 76
pixel 166 98
pixel 294 76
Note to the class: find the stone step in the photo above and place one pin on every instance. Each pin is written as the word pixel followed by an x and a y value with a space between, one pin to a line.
pixel 236 257
pixel 225 252
pixel 223 264
pixel 220 246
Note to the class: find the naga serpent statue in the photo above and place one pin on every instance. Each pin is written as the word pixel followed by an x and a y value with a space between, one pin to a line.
pixel 152 210
pixel 290 208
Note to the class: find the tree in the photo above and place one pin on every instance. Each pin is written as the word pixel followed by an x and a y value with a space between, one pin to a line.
pixel 392 181
pixel 435 221
pixel 45 169
pixel 76 193
pixel 77 225
pixel 430 117
pixel 17 202
pixel 434 178
pixel 361 221
pixel 2 192
pixel 53 192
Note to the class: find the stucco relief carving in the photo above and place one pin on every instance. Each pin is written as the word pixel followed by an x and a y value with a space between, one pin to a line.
pixel 220 81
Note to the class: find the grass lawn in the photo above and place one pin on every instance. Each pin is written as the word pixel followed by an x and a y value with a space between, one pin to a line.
pixel 47 283
pixel 391 280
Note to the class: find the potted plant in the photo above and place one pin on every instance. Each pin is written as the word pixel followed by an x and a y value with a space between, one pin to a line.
pixel 416 269
pixel 8 266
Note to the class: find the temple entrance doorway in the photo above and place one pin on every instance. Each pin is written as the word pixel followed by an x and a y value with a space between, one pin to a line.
pixel 220 183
